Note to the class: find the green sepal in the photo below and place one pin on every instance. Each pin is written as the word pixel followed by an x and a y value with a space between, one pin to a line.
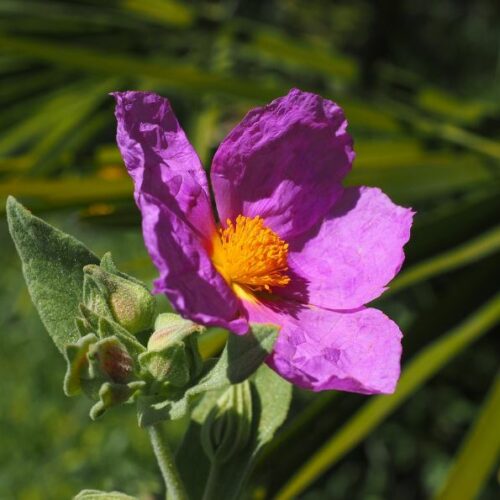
pixel 52 264
pixel 111 394
pixel 108 264
pixel 94 296
pixel 89 321
pixel 102 495
pixel 228 426
pixel 241 357
pixel 109 328
pixel 77 364
pixel 271 397
pixel 82 326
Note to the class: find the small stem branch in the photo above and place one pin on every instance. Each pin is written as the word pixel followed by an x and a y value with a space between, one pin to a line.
pixel 166 462
pixel 212 480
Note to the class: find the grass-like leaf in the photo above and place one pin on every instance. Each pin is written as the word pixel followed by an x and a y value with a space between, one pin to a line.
pixel 173 75
pixel 418 371
pixel 467 253
pixel 478 454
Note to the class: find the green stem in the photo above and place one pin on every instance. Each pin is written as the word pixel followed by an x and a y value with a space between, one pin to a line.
pixel 166 462
pixel 212 480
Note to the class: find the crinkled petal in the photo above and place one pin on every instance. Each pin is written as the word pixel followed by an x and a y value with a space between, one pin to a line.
pixel 171 191
pixel 284 162
pixel 160 159
pixel 348 259
pixel 187 275
pixel 317 349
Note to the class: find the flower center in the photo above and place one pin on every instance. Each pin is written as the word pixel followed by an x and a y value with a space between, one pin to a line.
pixel 249 254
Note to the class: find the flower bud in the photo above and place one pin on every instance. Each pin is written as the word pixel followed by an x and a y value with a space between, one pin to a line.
pixel 169 329
pixel 130 304
pixel 228 427
pixel 110 358
pixel 173 354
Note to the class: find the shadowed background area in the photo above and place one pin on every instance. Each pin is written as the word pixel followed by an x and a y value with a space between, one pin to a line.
pixel 419 82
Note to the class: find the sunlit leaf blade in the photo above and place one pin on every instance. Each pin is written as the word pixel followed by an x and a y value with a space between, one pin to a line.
pixel 478 454
pixel 430 177
pixel 102 495
pixel 283 50
pixel 444 130
pixel 173 75
pixel 169 12
pixel 450 107
pixel 418 371
pixel 53 108
pixel 68 192
pixel 203 131
pixel 80 109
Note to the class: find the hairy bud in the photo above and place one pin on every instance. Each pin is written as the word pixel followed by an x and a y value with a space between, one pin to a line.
pixel 130 304
pixel 173 354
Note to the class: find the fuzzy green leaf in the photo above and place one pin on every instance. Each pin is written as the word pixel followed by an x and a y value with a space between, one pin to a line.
pixel 271 397
pixel 53 269
pixel 241 357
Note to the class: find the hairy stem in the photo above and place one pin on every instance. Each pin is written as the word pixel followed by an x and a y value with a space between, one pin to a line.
pixel 168 468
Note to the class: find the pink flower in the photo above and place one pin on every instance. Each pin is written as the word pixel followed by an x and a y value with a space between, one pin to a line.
pixel 293 246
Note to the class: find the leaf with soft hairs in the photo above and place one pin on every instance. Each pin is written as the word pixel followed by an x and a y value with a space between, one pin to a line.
pixel 52 264
pixel 241 357
pixel 271 397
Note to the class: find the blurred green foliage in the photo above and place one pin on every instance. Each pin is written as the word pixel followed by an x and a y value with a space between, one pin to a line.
pixel 419 82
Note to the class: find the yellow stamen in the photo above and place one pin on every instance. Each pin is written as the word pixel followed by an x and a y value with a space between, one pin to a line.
pixel 250 255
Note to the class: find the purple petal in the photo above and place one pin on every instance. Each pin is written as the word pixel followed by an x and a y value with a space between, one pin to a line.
pixel 178 225
pixel 187 276
pixel 355 351
pixel 160 159
pixel 348 259
pixel 284 162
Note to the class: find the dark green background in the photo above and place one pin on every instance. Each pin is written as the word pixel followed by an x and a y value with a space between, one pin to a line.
pixel 419 82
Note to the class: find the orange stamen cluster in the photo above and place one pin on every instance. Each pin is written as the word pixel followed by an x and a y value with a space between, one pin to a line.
pixel 249 254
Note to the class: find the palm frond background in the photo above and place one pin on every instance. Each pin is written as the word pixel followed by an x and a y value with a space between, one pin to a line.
pixel 420 84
